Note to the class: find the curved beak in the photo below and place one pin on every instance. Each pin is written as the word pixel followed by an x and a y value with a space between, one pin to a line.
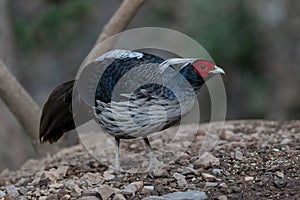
pixel 217 70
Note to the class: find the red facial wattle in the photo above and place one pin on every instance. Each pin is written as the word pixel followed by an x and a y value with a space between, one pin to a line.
pixel 203 68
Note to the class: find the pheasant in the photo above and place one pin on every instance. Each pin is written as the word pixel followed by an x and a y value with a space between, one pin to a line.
pixel 135 94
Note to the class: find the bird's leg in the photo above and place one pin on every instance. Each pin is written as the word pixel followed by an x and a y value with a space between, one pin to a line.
pixel 153 161
pixel 117 162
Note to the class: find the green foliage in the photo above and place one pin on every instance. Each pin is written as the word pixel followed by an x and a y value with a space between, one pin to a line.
pixel 224 29
pixel 55 27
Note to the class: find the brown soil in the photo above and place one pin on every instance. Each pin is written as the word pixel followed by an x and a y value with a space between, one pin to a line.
pixel 258 160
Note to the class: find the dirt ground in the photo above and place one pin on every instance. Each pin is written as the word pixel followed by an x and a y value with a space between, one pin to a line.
pixel 240 160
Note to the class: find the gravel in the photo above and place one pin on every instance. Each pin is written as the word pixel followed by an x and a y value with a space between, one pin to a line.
pixel 250 160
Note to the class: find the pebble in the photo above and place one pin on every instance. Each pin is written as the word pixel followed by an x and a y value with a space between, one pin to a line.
pixel 35 181
pixel 138 184
pixel 279 182
pixel 88 198
pixel 211 184
pixel 160 172
pixel 119 197
pixel 226 135
pixel 23 190
pixel 206 160
pixel 208 177
pixel 249 178
pixel 52 175
pixel 57 185
pixel 222 197
pixel 108 175
pixel 188 195
pixel 72 186
pixel 216 171
pixel 12 191
pixel 93 178
pixel 2 194
pixel 106 191
pixel 62 171
pixel 65 197
pixel 238 155
pixel 147 189
pixel 223 185
pixel 285 141
pixel 178 176
pixel 279 174
pixel 181 182
pixel 52 197
pixel 130 189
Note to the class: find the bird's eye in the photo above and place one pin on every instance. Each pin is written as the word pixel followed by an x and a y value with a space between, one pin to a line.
pixel 203 66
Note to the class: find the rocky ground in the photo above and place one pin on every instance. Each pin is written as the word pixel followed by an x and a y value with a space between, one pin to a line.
pixel 248 160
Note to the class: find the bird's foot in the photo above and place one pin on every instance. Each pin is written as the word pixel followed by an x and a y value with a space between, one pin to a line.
pixel 117 167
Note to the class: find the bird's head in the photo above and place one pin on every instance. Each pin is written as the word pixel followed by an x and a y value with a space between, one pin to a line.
pixel 206 69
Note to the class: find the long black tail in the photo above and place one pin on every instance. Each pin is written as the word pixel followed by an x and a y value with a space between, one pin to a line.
pixel 57 117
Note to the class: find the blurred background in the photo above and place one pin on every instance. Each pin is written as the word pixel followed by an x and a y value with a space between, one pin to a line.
pixel 43 42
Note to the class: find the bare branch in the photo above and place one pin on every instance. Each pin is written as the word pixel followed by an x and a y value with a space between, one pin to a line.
pixel 120 19
pixel 19 101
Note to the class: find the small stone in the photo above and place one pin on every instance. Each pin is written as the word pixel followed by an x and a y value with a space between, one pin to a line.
pixel 206 160
pixel 61 193
pixel 12 191
pixel 226 135
pixel 56 185
pixel 62 171
pixel 208 177
pixel 88 198
pixel 42 198
pixel 222 197
pixel 183 159
pixel 223 185
pixel 279 182
pixel 93 178
pixel 285 141
pixel 65 197
pixel 72 186
pixel 51 175
pixel 160 172
pixel 238 155
pixel 119 197
pixel 44 182
pixel 106 191
pixel 22 182
pixel 178 176
pixel 279 174
pixel 138 184
pixel 249 178
pixel 147 189
pixel 35 181
pixel 2 194
pixel 181 182
pixel 216 171
pixel 188 195
pixel 211 184
pixel 108 175
pixel 52 197
pixel 23 190
pixel 22 198
pixel 130 189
